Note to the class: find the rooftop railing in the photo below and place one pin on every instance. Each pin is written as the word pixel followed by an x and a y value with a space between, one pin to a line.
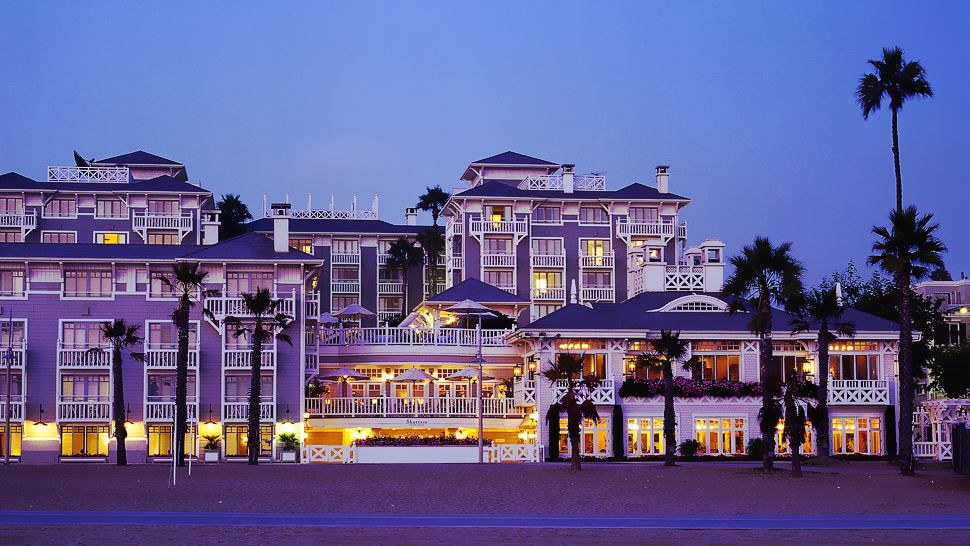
pixel 87 174
pixel 387 335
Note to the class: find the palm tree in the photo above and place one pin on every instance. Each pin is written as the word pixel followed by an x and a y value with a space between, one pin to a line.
pixel 266 323
pixel 906 250
pixel 433 200
pixel 433 245
pixel 121 337
pixel 795 410
pixel 822 312
pixel 403 254
pixel 898 80
pixel 576 401
pixel 187 282
pixel 667 349
pixel 233 213
pixel 765 275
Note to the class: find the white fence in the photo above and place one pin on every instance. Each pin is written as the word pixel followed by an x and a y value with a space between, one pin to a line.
pixel 165 410
pixel 604 393
pixel 497 453
pixel 859 391
pixel 410 407
pixel 390 335
pixel 85 410
pixel 87 174
pixel 239 411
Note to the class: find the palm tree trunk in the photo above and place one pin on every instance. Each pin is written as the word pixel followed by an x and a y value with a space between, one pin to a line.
pixel 907 463
pixel 796 458
pixel 670 418
pixel 574 416
pixel 181 379
pixel 404 291
pixel 255 442
pixel 822 449
pixel 119 405
pixel 768 390
pixel 899 176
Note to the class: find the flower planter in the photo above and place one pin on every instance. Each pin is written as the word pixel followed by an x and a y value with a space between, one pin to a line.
pixel 417 454
pixel 288 456
pixel 211 456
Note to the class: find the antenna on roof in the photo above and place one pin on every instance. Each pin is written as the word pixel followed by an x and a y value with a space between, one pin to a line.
pixel 353 204
pixel 375 206
pixel 838 294
pixel 309 201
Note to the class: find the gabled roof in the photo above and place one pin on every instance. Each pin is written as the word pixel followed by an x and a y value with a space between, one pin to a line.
pixel 498 188
pixel 163 184
pixel 17 181
pixel 248 246
pixel 308 225
pixel 579 317
pixel 139 157
pixel 513 158
pixel 478 291
pixel 166 184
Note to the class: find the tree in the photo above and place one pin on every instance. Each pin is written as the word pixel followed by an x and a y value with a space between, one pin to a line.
pixel 795 410
pixel 403 254
pixel 950 370
pixel 186 281
pixel 667 349
pixel 940 274
pixel 264 323
pixel 433 200
pixel 899 81
pixel 765 275
pixel 906 250
pixel 568 368
pixel 233 214
pixel 120 337
pixel 433 245
pixel 822 312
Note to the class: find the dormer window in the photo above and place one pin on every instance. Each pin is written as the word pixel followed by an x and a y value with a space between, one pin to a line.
pixel 713 256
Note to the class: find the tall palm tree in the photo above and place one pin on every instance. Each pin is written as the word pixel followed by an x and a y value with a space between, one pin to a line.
pixel 265 322
pixel 433 245
pixel 822 312
pixel 906 250
pixel 765 275
pixel 795 410
pixel 121 337
pixel 403 254
pixel 900 81
pixel 433 200
pixel 568 368
pixel 187 282
pixel 667 349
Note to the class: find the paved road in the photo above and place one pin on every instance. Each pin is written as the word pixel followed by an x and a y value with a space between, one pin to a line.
pixel 483 521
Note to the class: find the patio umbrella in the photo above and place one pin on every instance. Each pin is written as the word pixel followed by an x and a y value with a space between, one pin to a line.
pixel 468 373
pixel 343 375
pixel 355 310
pixel 327 318
pixel 469 308
pixel 414 374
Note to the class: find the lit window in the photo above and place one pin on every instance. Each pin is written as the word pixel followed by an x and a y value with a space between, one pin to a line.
pixel 111 238
pixel 720 436
pixel 860 435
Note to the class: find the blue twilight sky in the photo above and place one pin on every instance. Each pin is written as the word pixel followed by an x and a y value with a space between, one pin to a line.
pixel 752 107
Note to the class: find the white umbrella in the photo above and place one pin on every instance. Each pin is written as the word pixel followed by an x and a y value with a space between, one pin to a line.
pixel 414 374
pixel 327 318
pixel 469 307
pixel 344 374
pixel 468 373
pixel 355 310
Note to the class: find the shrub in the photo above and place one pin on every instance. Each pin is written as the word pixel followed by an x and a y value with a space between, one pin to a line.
pixel 211 442
pixel 404 441
pixel 756 448
pixel 689 448
pixel 289 441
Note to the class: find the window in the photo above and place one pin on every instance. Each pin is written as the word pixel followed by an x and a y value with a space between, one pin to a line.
pixel 594 438
pixel 543 309
pixel 61 208
pixel 237 437
pixel 547 215
pixel 495 245
pixel 303 245
pixel 161 437
pixel 111 238
pixel 12 282
pixel 10 236
pixel 84 441
pixel 157 207
pixel 344 274
pixel 782 442
pixel 644 215
pixel 695 306
pixel 720 435
pixel 248 282
pixel 161 387
pixel 643 372
pixel 713 256
pixel 340 302
pixel 16 433
pixel 645 436
pixel 389 304
pixel 385 274
pixel 655 255
pixel 85 387
pixel 87 283
pixel 789 366
pixel 164 335
pixel 547 247
pixel 717 368
pixel 11 205
pixel 157 288
pixel 860 435
pixel 58 237
pixel 16 386
pixel 707 345
pixel 854 366
pixel 345 246
pixel 237 388
pixel 594 365
pixel 110 208
pixel 162 238
pixel 499 213
pixel 18 333
pixel 597 279
pixel 82 335
pixel 595 247
pixel 542 281
pixel 503 279
pixel 843 346
pixel 593 215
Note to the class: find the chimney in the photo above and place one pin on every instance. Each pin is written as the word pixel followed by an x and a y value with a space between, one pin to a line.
pixel 662 185
pixel 281 227
pixel 411 216
pixel 567 178
pixel 210 227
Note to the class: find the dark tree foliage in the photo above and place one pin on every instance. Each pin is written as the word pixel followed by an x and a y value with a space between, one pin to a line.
pixel 233 214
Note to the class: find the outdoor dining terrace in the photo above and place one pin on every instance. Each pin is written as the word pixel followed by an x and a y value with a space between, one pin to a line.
pixel 388 335
pixel 452 406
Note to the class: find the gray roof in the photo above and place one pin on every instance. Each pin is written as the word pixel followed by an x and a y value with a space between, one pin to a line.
pixel 478 291
pixel 17 181
pixel 159 184
pixel 514 158
pixel 306 225
pixel 499 188
pixel 139 157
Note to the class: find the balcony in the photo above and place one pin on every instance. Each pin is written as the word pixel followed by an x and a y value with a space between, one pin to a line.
pixel 684 278
pixel 390 287
pixel 19 355
pixel 163 409
pixel 592 260
pixel 92 409
pixel 16 408
pixel 242 359
pixel 604 393
pixel 581 182
pixel 555 261
pixel 516 227
pixel 524 392
pixel 239 410
pixel 142 220
pixel 387 335
pixel 454 228
pixel 235 306
pixel 456 262
pixel 83 357
pixel 345 287
pixel 311 361
pixel 498 260
pixel 626 229
pixel 345 258
pixel 25 220
pixel 858 391
pixel 410 407
pixel 554 293
pixel 596 294
pixel 383 258
pixel 165 356
pixel 87 174
pixel 311 305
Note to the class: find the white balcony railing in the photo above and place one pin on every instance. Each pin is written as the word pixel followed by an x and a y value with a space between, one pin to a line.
pixel 498 260
pixel 604 393
pixel 518 227
pixel 312 304
pixel 26 220
pixel 19 353
pixel 87 174
pixel 345 287
pixel 84 410
pixel 16 408
pixel 390 287
pixel 524 392
pixel 239 411
pixel 557 261
pixel 555 293
pixel 596 294
pixel 164 410
pixel 242 359
pixel 386 335
pixel 456 262
pixel 454 228
pixel 859 391
pixel 410 407
pixel 684 278
pixel 83 357
pixel 581 182
pixel 383 258
pixel 587 260
pixel 345 258
pixel 235 306
pixel 166 356
pixel 625 228
pixel 142 220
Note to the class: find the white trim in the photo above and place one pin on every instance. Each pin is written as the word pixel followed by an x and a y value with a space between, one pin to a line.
pixel 692 298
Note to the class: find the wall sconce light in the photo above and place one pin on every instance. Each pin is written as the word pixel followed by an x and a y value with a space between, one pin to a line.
pixel 41 423
pixel 517 370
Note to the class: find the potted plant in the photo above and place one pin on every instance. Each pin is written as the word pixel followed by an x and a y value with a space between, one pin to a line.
pixel 211 448
pixel 290 443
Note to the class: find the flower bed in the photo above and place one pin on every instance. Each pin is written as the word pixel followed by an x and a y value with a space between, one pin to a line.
pixel 407 441
pixel 697 388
